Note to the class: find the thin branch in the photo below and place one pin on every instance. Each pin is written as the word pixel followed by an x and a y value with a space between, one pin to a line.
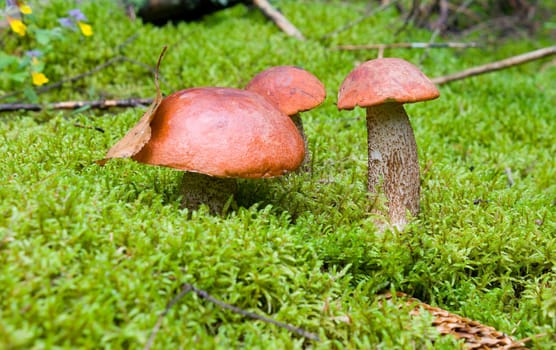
pixel 127 41
pixel 446 20
pixel 186 288
pixel 150 69
pixel 100 104
pixel 369 13
pixel 498 65
pixel 278 18
pixel 463 9
pixel 412 12
pixel 451 45
pixel 496 23
pixel 530 339
pixel 299 331
pixel 442 21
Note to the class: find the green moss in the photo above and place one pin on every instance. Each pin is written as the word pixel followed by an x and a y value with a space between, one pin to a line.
pixel 89 255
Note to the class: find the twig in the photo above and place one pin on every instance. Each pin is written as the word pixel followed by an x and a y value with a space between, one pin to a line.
pixel 496 23
pixel 451 45
pixel 299 331
pixel 412 13
pixel 498 65
pixel 186 288
pixel 127 41
pixel 100 104
pixel 443 19
pixel 463 9
pixel 278 18
pixel 530 339
pixel 446 19
pixel 366 15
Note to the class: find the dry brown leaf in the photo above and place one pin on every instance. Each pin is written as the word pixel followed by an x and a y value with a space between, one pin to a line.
pixel 140 134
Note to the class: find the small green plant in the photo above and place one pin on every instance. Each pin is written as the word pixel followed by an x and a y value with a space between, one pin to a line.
pixel 24 67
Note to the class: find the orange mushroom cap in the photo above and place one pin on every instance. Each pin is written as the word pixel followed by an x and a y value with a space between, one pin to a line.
pixel 385 80
pixel 291 89
pixel 222 132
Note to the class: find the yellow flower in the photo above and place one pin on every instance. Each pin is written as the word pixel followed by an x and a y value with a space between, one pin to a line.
pixel 86 29
pixel 39 78
pixel 17 26
pixel 25 9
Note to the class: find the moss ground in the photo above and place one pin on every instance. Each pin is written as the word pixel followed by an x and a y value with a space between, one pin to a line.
pixel 89 255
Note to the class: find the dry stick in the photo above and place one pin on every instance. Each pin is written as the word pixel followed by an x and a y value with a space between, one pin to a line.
pixel 438 25
pixel 498 65
pixel 129 102
pixel 366 15
pixel 501 22
pixel 412 12
pixel 444 19
pixel 530 339
pixel 278 18
pixel 454 45
pixel 186 288
pixel 298 331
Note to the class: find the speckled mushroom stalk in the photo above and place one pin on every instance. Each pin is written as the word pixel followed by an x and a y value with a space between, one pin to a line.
pixel 393 160
pixel 199 189
pixel 382 86
pixel 292 90
pixel 217 135
pixel 296 119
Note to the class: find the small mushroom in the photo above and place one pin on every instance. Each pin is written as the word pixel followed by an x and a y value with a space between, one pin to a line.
pixel 382 86
pixel 292 90
pixel 216 135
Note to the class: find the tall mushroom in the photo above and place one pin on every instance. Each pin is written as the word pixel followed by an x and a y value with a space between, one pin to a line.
pixel 382 86
pixel 216 135
pixel 292 90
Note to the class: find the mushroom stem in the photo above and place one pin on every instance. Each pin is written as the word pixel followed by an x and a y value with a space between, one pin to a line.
pixel 296 118
pixel 213 191
pixel 393 162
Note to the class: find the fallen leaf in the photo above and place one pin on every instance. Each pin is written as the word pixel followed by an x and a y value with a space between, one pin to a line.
pixel 140 134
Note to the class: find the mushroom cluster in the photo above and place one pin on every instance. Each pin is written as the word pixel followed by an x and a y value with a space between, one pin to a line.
pixel 217 134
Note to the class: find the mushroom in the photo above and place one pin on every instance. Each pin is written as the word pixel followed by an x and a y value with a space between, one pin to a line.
pixel 292 90
pixel 382 86
pixel 216 135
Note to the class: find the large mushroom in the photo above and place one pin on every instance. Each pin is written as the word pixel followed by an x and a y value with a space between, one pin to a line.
pixel 292 90
pixel 382 86
pixel 216 135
